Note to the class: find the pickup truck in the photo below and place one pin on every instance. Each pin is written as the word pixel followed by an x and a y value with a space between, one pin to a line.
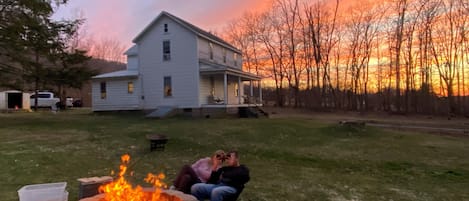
pixel 47 99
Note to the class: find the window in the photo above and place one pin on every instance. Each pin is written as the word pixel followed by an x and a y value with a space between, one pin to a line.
pixel 236 90
pixel 166 50
pixel 166 28
pixel 103 90
pixel 42 95
pixel 224 55
pixel 167 87
pixel 210 50
pixel 130 87
pixel 235 59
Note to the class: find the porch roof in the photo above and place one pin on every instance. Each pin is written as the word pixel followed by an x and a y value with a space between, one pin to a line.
pixel 212 68
pixel 118 74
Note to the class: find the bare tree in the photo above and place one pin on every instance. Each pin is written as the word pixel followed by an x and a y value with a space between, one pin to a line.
pixel 397 59
pixel 446 48
pixel 409 53
pixel 243 34
pixel 401 7
pixel 272 37
pixel 108 49
pixel 363 29
pixel 425 27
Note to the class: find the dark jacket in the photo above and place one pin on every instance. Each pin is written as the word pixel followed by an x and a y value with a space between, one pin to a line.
pixel 232 176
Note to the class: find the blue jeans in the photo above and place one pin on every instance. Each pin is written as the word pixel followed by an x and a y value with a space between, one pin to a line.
pixel 214 192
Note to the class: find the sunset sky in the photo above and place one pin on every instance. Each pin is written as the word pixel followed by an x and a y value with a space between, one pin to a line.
pixel 124 19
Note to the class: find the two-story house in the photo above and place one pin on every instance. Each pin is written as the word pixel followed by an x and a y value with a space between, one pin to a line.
pixel 174 64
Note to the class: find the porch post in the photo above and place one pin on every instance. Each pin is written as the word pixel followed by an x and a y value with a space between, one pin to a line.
pixel 239 90
pixel 260 92
pixel 225 87
pixel 250 88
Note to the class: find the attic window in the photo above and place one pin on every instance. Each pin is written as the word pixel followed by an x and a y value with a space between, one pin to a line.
pixel 166 28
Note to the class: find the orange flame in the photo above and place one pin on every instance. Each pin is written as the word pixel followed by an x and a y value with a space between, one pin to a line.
pixel 121 190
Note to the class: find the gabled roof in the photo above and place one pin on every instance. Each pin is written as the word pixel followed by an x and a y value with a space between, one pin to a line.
pixel 194 29
pixel 132 51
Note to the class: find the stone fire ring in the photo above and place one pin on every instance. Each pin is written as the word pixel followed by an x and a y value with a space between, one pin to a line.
pixel 167 193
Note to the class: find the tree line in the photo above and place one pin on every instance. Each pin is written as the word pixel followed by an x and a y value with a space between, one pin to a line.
pixel 37 53
pixel 403 56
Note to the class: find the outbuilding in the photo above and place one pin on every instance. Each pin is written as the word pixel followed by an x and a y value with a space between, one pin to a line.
pixel 13 99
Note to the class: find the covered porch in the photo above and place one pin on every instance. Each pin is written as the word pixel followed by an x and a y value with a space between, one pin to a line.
pixel 225 87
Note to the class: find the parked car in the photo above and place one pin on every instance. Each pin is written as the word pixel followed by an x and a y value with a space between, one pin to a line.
pixel 77 103
pixel 44 99
pixel 47 99
pixel 69 101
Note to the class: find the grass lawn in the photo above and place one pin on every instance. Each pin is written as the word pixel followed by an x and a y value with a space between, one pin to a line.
pixel 289 159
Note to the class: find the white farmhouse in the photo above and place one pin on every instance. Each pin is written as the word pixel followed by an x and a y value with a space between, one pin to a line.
pixel 174 65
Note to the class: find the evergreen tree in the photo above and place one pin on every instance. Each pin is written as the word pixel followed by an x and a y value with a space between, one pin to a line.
pixel 34 50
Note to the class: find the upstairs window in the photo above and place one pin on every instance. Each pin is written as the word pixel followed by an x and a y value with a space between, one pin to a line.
pixel 166 50
pixel 166 28
pixel 130 87
pixel 168 91
pixel 224 55
pixel 103 90
pixel 235 59
pixel 210 46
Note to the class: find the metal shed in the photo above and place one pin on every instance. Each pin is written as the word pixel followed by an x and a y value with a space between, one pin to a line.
pixel 13 99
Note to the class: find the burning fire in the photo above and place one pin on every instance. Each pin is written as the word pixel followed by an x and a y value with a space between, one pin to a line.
pixel 121 190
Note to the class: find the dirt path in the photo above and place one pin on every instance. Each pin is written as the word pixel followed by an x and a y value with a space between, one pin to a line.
pixel 424 123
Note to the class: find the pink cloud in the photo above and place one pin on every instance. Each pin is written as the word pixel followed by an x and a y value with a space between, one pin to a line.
pixel 123 19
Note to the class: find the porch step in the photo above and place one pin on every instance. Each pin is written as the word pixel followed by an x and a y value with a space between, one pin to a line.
pixel 257 112
pixel 161 112
pixel 261 111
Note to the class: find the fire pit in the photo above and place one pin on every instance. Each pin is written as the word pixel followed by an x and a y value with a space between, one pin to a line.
pixel 165 195
pixel 121 190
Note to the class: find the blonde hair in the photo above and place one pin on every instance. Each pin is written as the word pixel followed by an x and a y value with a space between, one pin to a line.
pixel 219 152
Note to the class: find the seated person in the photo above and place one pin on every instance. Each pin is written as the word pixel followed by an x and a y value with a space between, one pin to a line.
pixel 223 182
pixel 196 173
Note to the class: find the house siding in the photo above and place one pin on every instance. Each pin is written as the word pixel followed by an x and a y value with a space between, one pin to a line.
pixel 182 67
pixel 132 62
pixel 117 96
pixel 204 89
